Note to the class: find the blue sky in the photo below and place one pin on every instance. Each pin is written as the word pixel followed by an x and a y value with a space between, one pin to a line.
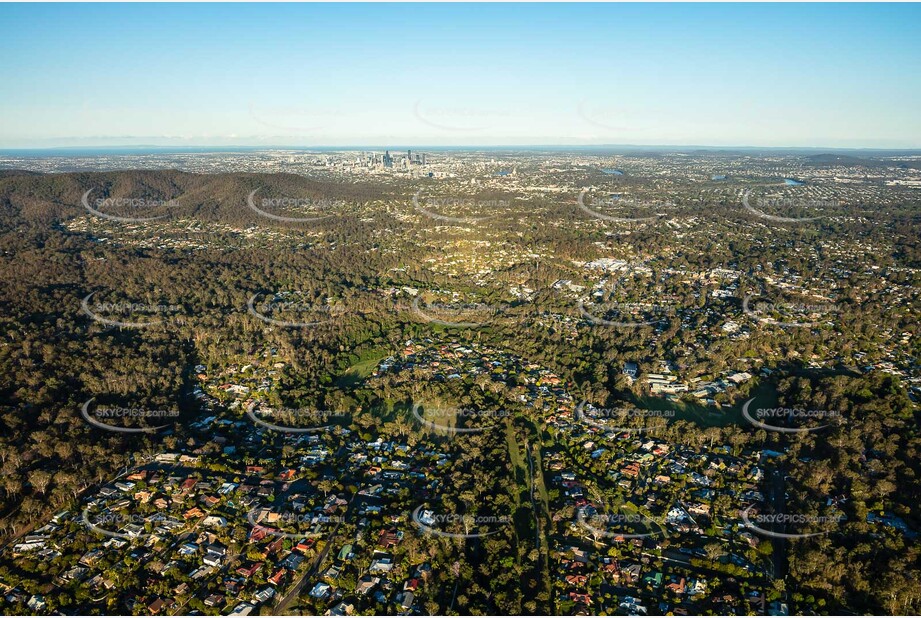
pixel 839 75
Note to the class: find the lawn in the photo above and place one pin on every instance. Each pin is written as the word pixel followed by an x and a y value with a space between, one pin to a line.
pixel 359 371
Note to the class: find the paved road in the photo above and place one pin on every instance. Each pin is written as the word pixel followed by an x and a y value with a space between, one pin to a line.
pixel 79 497
pixel 777 497
pixel 282 606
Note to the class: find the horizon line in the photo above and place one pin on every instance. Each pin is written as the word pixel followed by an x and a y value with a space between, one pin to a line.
pixel 400 146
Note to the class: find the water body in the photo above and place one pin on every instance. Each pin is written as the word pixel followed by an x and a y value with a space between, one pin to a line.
pixel 793 183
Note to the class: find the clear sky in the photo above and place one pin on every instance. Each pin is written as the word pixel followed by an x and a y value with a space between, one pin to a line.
pixel 839 75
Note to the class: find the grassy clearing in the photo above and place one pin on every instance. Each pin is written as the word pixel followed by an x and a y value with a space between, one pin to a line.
pixel 519 467
pixel 360 371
